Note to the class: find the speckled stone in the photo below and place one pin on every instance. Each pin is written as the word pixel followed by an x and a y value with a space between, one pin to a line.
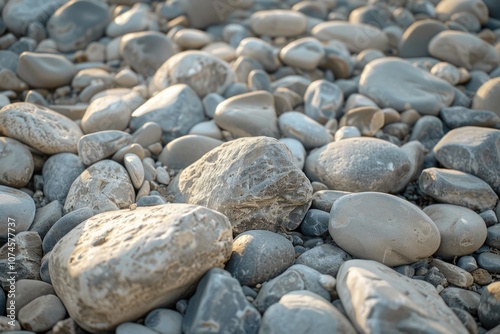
pixel 39 127
pixel 106 247
pixel 16 163
pixel 101 145
pixel 18 208
pixel 42 313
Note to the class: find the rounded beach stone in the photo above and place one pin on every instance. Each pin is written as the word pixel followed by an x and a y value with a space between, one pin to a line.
pixel 489 306
pixel 472 150
pixel 59 172
pixel 133 328
pixel 387 229
pixel 447 72
pixel 356 36
pixel 358 164
pixel 445 9
pixel 146 51
pixel 455 187
pixel 253 181
pixel 77 23
pixel 464 50
pixel 176 109
pixel 259 256
pixel 134 167
pixel 390 299
pixel 457 117
pixel 16 163
pixel 109 245
pixel 203 72
pixel 278 22
pixel 488 96
pixel 27 290
pixel 409 87
pixel 18 208
pixel 100 145
pixel 462 230
pixel 248 115
pixel 192 38
pixel 137 18
pixel 304 312
pixel 305 53
pixel 42 313
pixel 39 127
pixel 104 186
pixel 164 321
pixel 310 133
pixel 259 50
pixel 297 149
pixel 368 120
pixel 45 70
pixel 185 150
pixel 322 100
pixel 325 258
pixel 416 38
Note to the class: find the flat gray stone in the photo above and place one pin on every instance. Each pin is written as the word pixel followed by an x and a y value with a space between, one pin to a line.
pixel 186 150
pixel 325 258
pixel 416 38
pixel 131 257
pixel 100 145
pixel 487 96
pixel 472 150
pixel 59 172
pixel 45 217
pixel 219 300
pixel 164 321
pixel 304 312
pixel 461 298
pixel 376 298
pixel 358 164
pixel 457 117
pixel 310 133
pixel 453 274
pixel 16 163
pixel 40 128
pixel 18 210
pixel 387 229
pixel 489 261
pixel 27 290
pixel 305 53
pixel 368 120
pixel 324 199
pixel 42 313
pixel 278 22
pixel 104 186
pixel 249 180
pixel 259 256
pixel 409 88
pixel 322 100
pixel 315 223
pixel 175 109
pixel 489 306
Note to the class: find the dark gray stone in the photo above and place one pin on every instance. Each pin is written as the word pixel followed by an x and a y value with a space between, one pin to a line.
pixel 259 256
pixel 489 306
pixel 8 59
pixel 64 225
pixel 489 261
pixel 45 217
pixel 490 218
pixel 44 269
pixel 324 258
pixel 461 298
pixel 2 302
pixel 324 199
pixel 42 314
pixel 416 38
pixel 467 263
pixel 428 130
pixel 59 172
pixel 17 210
pixel 435 277
pixel 220 302
pixel 151 200
pixel 467 320
pixel 28 290
pixel 315 223
pixel 493 238
pixel 456 117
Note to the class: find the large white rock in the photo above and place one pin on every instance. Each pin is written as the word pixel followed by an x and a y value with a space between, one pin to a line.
pixel 252 180
pixel 379 300
pixel 382 227
pixel 119 265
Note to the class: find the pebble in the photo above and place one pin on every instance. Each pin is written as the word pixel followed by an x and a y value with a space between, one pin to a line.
pixel 45 217
pixel 455 187
pixel 447 8
pixel 85 77
pixel 489 306
pixel 259 50
pixel 489 261
pixel 324 258
pixel 447 72
pixel 493 238
pixel 164 321
pixel 472 143
pixel 158 236
pixel 304 312
pixel 16 207
pixel 410 87
pixel 347 132
pixel 215 291
pixel 42 313
pixel 297 277
pixel 455 275
pixel 162 176
pixel 146 51
pixel 297 149
pixel 134 167
pixel 137 18
pixel 464 50
pixel 186 150
pixel 77 23
pixel 278 23
pixel 356 36
pixel 175 109
pixel 39 127
pixel 104 186
pixel 428 130
pixel 98 146
pixel 322 100
pixel 133 328
pixel 259 256
pixel 315 223
pixel 207 129
pixel 151 200
pixel 63 226
pixel 59 172
pixel 457 117
pixel 247 115
pixel 13 327
pixel 358 164
pixel 110 112
pixel 45 70
pixel 416 38
pixel 368 120
pixel 481 276
pixel 390 296
pixel 461 298
pixel 305 53
pixel 487 96
pixel 203 72
pixel 147 134
pixel 16 163
pixel 467 263
pixel 253 181
pixel 192 38
pixel 311 134
pixel 126 78
pixel 370 233
pixel 28 256
pixel 27 290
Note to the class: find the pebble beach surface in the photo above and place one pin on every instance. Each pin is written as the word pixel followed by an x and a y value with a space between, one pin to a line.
pixel 250 166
